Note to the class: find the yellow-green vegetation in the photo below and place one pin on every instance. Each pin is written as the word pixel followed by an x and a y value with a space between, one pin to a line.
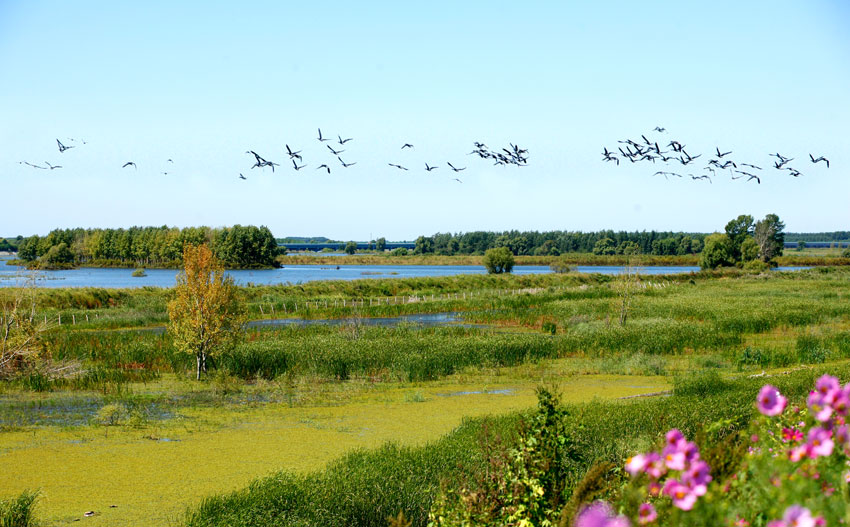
pixel 152 470
pixel 117 414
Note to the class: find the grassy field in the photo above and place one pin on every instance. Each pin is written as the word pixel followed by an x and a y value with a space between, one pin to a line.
pixel 125 422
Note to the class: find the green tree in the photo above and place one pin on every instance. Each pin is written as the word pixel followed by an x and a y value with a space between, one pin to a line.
pixel 381 244
pixel 716 252
pixel 498 260
pixel 206 316
pixel 350 248
pixel 770 237
pixel 749 249
pixel 423 245
pixel 737 230
pixel 802 245
pixel 58 255
pixel 604 246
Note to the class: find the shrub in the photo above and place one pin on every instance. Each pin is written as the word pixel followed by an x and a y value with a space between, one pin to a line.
pixel 499 260
pixel 140 272
pixel 17 512
pixel 756 266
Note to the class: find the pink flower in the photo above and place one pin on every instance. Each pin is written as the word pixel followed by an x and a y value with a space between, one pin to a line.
pixel 819 406
pixel 820 443
pixel 791 434
pixel 674 437
pixel 697 477
pixel 673 458
pixel 827 385
pixel 682 496
pixel 636 464
pixel 741 522
pixel 654 488
pixel 798 453
pixel 770 401
pixel 646 513
pixel 600 514
pixel 655 466
pixel 798 516
pixel 776 523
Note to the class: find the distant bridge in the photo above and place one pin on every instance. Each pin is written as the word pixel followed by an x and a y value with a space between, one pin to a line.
pixel 340 246
pixel 817 245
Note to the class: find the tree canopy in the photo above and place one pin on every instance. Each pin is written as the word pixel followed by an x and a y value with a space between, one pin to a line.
pixel 205 316
pixel 235 247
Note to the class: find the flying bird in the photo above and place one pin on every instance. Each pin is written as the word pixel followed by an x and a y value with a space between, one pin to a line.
pixel 325 167
pixel 659 129
pixel 456 179
pixel 293 154
pixel 322 138
pixel 241 176
pixel 31 165
pixel 430 168
pixel 62 147
pixel 343 141
pixel 344 164
pixel 719 155
pixel 170 160
pixel 295 165
pixel 397 166
pixel 456 169
pixel 406 145
pixel 818 160
pixel 335 152
pixel 128 163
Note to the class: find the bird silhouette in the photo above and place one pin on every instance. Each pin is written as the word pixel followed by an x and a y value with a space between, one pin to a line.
pixel 62 147
pixel 52 167
pixel 818 160
pixel 128 163
pixel 397 166
pixel 335 152
pixel 659 129
pixel 296 166
pixel 430 168
pixel 293 154
pixel 322 138
pixel 456 169
pixel 31 165
pixel 456 179
pixel 325 167
pixel 406 145
pixel 344 164
pixel 343 141
pixel 241 176
pixel 719 155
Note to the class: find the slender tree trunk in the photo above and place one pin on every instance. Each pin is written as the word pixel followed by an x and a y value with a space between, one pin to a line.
pixel 198 371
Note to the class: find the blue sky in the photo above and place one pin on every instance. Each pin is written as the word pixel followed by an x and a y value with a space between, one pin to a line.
pixel 201 83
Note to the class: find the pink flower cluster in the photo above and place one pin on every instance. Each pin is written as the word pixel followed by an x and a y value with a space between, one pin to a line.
pixel 828 403
pixel 679 455
pixel 798 516
pixel 600 514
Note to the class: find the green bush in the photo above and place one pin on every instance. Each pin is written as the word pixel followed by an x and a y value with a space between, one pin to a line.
pixel 498 260
pixel 18 512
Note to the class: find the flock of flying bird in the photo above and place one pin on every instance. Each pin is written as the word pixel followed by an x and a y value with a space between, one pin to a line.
pixel 649 151
pixel 513 156
pixel 646 150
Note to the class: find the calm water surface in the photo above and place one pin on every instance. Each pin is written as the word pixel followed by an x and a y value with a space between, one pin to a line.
pixel 290 274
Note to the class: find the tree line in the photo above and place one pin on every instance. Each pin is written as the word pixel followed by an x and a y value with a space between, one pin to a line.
pixel 554 243
pixel 237 247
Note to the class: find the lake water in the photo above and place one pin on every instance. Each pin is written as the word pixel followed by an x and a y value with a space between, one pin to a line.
pixel 290 274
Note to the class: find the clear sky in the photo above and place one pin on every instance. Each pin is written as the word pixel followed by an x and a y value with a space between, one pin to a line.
pixel 202 82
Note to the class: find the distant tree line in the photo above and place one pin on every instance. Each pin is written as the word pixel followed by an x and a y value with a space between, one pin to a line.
pixel 236 247
pixel 10 244
pixel 560 242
